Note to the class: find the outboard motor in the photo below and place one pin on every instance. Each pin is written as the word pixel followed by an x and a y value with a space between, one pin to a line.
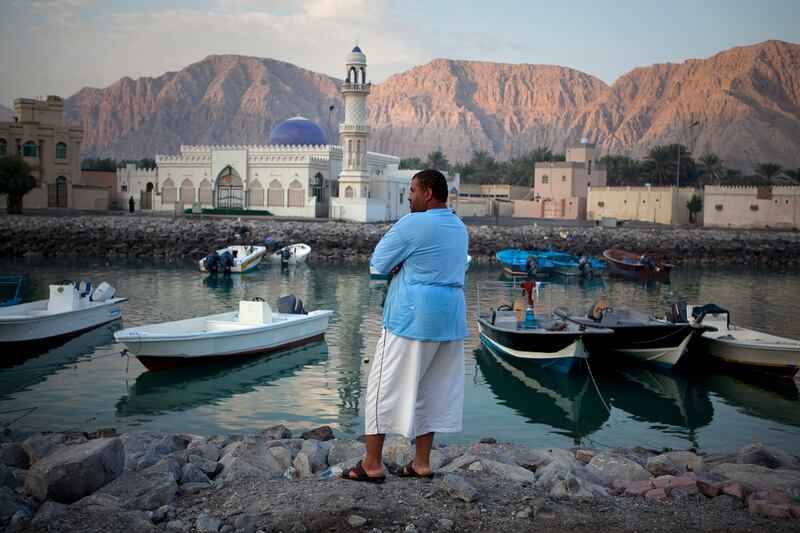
pixel 211 262
pixel 585 266
pixel 285 255
pixel 291 305
pixel 531 265
pixel 225 262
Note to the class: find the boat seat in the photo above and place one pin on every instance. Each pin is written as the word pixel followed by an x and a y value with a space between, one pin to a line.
pixel 224 325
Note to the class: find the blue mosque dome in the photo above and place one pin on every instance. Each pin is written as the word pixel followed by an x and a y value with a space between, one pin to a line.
pixel 297 131
pixel 356 49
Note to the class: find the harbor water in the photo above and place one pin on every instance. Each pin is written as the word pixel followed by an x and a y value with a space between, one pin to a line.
pixel 87 383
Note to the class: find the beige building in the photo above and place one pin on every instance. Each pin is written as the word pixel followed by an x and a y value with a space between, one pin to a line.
pixel 39 135
pixel 661 205
pixel 751 207
pixel 561 187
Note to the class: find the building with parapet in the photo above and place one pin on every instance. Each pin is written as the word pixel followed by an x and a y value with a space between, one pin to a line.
pixel 296 174
pixel 561 187
pixel 38 134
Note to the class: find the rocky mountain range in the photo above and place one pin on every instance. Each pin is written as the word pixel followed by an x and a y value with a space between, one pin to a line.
pixel 742 104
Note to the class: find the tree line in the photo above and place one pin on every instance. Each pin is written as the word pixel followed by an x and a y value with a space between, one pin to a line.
pixel 664 165
pixel 110 163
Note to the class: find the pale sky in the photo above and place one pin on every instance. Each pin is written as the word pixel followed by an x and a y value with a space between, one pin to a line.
pixel 59 46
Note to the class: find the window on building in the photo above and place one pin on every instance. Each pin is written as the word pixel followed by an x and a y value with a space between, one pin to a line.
pixel 29 149
pixel 124 188
pixel 61 150
pixel 545 178
pixel 563 179
pixel 3 147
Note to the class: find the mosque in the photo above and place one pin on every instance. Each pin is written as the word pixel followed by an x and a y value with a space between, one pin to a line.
pixel 297 174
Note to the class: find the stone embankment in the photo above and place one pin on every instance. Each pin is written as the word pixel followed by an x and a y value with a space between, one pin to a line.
pixel 194 237
pixel 103 481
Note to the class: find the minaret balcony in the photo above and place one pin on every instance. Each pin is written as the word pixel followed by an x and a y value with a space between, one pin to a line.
pixel 356 87
pixel 355 128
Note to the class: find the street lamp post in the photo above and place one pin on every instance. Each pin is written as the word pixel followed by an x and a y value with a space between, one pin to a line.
pixel 678 174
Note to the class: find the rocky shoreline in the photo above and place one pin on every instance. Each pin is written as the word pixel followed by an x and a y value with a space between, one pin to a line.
pixel 119 236
pixel 273 481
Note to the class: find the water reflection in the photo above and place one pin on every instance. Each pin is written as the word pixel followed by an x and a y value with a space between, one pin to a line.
pixel 567 402
pixel 758 396
pixel 180 389
pixel 23 371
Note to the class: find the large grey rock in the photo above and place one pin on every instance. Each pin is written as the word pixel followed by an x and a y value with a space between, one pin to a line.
pixel 459 488
pixel 204 450
pixel 506 471
pixel 37 446
pixel 559 470
pixel 457 464
pixel 283 455
pixel 13 435
pixel 168 464
pixel 761 478
pixel 277 432
pixel 397 452
pixel 141 460
pixel 575 488
pixel 530 458
pixel 10 502
pixel 13 454
pixel 686 461
pixel 342 449
pixel 208 467
pixel 236 468
pixel 48 512
pixel 7 478
pixel 171 443
pixel 452 452
pixel 254 454
pixel 71 473
pixel 769 456
pixel 192 474
pixel 207 524
pixel 320 433
pixel 143 491
pixel 606 467
pixel 316 454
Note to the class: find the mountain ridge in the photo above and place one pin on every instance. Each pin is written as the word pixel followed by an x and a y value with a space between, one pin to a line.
pixel 746 100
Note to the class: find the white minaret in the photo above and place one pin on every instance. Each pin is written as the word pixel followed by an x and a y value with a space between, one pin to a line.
pixel 354 131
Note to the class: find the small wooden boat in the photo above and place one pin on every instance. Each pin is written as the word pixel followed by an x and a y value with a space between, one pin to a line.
pixel 572 265
pixel 741 346
pixel 294 254
pixel 71 309
pixel 642 337
pixel 644 266
pixel 541 337
pixel 233 259
pixel 253 329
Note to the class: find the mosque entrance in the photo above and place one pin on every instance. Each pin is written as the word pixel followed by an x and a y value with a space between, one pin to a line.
pixel 230 189
pixel 319 184
pixel 57 193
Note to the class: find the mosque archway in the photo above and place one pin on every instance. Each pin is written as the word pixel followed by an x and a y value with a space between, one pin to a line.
pixel 146 197
pixel 230 189
pixel 169 194
pixel 57 193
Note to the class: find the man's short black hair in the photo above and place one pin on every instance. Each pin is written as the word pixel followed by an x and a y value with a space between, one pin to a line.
pixel 433 180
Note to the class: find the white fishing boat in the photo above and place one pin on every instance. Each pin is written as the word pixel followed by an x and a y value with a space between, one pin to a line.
pixel 70 310
pixel 742 346
pixel 294 254
pixel 253 329
pixel 233 259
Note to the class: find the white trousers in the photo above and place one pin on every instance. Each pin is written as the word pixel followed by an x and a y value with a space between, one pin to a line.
pixel 415 387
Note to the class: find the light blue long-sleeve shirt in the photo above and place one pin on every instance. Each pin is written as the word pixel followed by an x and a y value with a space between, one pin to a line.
pixel 426 298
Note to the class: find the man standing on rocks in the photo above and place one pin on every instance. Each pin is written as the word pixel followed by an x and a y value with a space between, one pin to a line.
pixel 416 383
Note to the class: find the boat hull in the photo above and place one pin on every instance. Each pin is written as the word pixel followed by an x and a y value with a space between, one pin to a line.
pixel 179 343
pixel 45 328
pixel 627 264
pixel 658 345
pixel 299 254
pixel 767 357
pixel 560 351
pixel 247 263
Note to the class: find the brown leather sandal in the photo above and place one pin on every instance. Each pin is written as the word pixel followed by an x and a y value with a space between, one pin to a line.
pixel 361 475
pixel 408 471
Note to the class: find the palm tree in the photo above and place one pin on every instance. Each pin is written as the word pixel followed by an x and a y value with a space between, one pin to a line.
pixel 15 181
pixel 621 169
pixel 542 154
pixel 485 166
pixel 437 161
pixel 410 163
pixel 660 164
pixel 793 175
pixel 768 171
pixel 711 169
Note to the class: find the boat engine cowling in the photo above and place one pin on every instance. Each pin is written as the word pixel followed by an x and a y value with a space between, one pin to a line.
pixel 291 305
pixel 225 262
pixel 103 292
pixel 211 262
pixel 285 255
